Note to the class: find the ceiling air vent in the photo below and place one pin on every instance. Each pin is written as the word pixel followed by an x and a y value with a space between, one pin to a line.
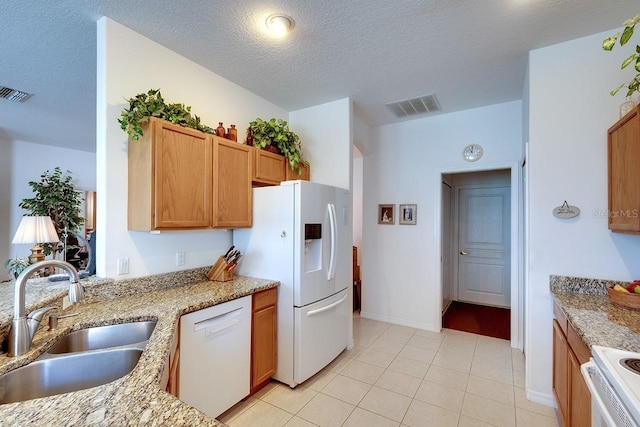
pixel 12 94
pixel 412 107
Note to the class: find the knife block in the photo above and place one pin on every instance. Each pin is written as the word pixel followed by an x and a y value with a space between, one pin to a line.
pixel 220 271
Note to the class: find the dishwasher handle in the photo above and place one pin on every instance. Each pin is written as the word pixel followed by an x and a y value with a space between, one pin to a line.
pixel 218 323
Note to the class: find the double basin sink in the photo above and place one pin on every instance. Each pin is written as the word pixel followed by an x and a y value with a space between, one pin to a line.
pixel 81 359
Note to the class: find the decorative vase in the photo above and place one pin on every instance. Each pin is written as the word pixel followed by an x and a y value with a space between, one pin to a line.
pixel 627 106
pixel 249 137
pixel 272 149
pixel 232 133
pixel 220 131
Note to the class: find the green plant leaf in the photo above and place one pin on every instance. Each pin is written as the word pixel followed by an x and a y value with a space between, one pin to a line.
pixel 626 35
pixel 610 42
pixel 616 90
pixel 628 61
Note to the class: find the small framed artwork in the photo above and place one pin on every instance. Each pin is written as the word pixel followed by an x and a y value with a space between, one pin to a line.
pixel 408 214
pixel 386 214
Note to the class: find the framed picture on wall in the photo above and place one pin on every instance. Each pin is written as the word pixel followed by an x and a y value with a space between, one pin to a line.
pixel 408 214
pixel 386 214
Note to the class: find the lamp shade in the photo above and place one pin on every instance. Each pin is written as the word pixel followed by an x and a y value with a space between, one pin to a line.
pixel 36 229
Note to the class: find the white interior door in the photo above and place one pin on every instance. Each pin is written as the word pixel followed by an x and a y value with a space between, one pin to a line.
pixel 446 246
pixel 484 246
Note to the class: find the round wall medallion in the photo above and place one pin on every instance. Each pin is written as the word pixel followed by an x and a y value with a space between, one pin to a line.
pixel 472 152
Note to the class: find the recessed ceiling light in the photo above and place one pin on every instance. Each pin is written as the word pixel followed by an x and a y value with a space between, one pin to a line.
pixel 280 24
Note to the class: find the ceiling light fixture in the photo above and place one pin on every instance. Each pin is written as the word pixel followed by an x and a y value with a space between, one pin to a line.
pixel 280 24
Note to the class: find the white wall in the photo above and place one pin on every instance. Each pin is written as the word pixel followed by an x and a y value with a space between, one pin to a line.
pixel 358 188
pixel 326 130
pixel 570 112
pixel 400 264
pixel 128 64
pixel 23 162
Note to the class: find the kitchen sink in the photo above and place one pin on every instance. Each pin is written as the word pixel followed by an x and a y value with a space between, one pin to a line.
pixel 103 337
pixel 72 372
pixel 81 359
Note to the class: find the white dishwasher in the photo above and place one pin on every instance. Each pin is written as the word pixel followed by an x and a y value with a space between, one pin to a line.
pixel 215 356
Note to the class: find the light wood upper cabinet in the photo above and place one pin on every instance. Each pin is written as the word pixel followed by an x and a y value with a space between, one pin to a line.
pixel 231 184
pixel 180 178
pixel 292 175
pixel 268 168
pixel 623 148
pixel 170 177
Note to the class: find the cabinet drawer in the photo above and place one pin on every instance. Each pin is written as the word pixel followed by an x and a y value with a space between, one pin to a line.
pixel 560 317
pixel 264 299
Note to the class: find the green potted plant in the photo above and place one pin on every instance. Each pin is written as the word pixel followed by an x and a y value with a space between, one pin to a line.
pixel 15 266
pixel 56 197
pixel 152 104
pixel 276 133
pixel 608 44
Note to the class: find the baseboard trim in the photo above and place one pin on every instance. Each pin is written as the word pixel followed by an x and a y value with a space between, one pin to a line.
pixel 541 398
pixel 396 321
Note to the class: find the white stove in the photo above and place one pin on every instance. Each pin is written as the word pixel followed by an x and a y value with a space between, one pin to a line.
pixel 613 378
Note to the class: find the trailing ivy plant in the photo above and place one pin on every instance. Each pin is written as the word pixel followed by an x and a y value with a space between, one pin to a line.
pixel 152 104
pixel 56 197
pixel 608 44
pixel 276 132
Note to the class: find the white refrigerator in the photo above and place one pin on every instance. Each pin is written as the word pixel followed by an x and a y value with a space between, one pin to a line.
pixel 301 236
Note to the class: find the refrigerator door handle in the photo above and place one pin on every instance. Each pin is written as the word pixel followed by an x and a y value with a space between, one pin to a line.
pixel 332 258
pixel 328 307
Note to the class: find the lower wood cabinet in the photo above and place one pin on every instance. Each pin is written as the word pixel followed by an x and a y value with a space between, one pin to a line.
pixel 569 387
pixel 263 338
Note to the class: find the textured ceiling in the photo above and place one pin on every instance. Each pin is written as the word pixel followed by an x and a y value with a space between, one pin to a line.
pixel 470 53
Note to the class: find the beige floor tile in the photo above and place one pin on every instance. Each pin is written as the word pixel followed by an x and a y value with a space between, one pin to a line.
pixel 430 334
pixel 376 357
pixel 325 411
pixel 346 389
pixel 493 370
pixel 489 411
pixel 386 403
pixel 261 414
pixel 361 418
pixel 338 364
pixel 401 329
pixel 266 389
pixel 491 389
pixel 425 342
pixel 399 383
pixel 440 395
pixel 489 357
pixel 363 372
pixel 416 353
pixel 526 418
pixel 364 339
pixel 518 379
pixel 237 409
pixel 524 403
pixel 470 422
pixel 421 414
pixel 451 378
pixel 410 367
pixel 456 361
pixel 518 360
pixel 397 336
pixel 387 345
pixel 354 352
pixel 299 422
pixel 320 380
pixel 288 399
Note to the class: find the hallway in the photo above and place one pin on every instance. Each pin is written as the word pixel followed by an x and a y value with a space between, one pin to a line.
pixel 401 376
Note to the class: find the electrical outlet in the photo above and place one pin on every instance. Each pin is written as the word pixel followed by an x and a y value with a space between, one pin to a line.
pixel 123 265
pixel 179 259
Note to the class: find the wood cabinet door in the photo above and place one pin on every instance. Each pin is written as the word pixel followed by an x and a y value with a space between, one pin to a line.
pixel 263 362
pixel 624 174
pixel 232 197
pixel 291 175
pixel 580 406
pixel 269 168
pixel 182 160
pixel 561 372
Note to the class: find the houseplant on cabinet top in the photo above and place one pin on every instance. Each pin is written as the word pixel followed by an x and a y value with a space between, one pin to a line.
pixel 151 104
pixel 608 44
pixel 276 133
pixel 56 197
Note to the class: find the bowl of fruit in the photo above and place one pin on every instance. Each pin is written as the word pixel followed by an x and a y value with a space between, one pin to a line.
pixel 627 296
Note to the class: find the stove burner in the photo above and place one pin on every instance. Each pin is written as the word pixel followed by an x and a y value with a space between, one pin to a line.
pixel 631 364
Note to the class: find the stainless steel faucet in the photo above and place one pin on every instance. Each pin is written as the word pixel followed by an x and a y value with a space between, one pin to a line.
pixel 23 328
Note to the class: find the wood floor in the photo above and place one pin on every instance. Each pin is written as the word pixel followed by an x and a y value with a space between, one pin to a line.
pixel 478 319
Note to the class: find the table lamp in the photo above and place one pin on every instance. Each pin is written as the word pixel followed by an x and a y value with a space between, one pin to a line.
pixel 36 229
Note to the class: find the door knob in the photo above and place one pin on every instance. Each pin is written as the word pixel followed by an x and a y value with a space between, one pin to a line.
pixel 463 253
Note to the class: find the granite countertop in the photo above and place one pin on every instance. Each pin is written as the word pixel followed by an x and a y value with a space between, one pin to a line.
pixel 136 398
pixel 595 319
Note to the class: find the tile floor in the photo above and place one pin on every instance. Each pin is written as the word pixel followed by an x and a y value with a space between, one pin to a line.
pixel 400 376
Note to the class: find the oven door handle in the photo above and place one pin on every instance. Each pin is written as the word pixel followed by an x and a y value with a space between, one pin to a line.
pixel 589 370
